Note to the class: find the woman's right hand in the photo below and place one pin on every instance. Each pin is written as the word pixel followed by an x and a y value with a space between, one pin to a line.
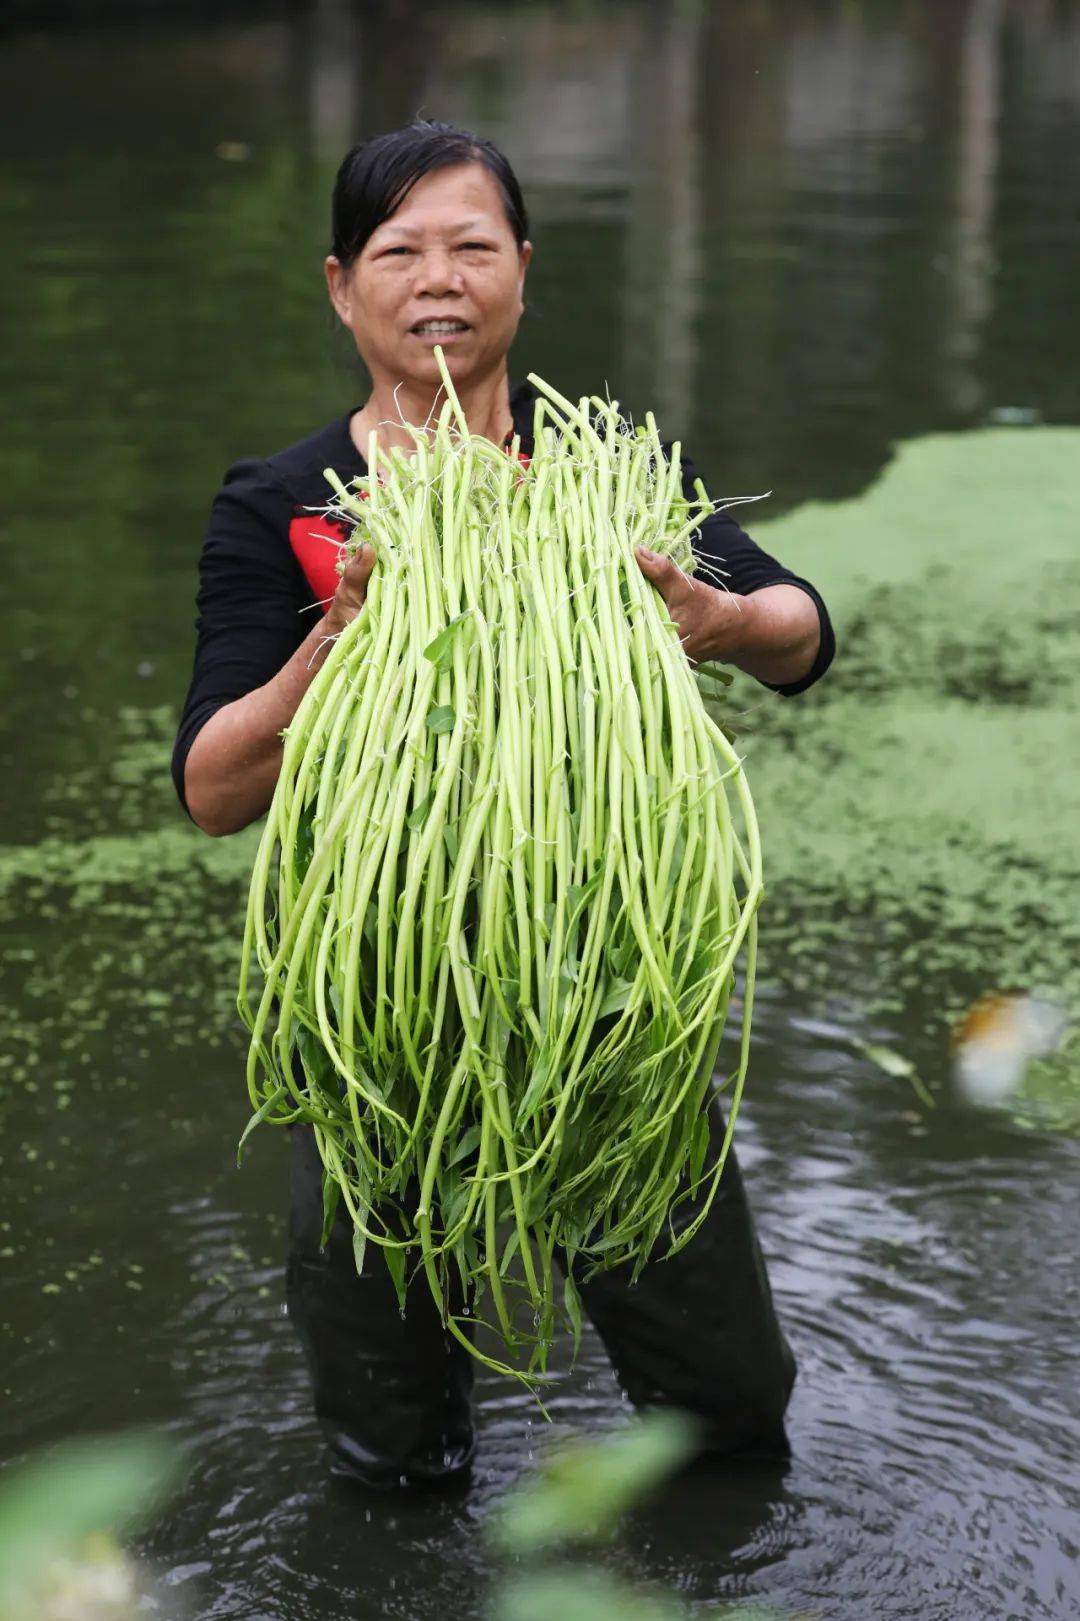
pixel 351 593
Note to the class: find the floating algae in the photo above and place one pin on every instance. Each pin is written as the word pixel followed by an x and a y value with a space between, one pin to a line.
pixel 920 808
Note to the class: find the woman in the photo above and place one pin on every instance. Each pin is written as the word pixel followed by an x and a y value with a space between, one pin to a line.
pixel 430 246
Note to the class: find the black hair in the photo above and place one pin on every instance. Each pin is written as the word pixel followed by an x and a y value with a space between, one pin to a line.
pixel 377 175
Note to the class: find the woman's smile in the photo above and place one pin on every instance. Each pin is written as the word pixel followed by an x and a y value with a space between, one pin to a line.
pixel 440 329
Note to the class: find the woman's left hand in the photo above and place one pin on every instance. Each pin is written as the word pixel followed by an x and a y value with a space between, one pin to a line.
pixel 773 635
pixel 709 621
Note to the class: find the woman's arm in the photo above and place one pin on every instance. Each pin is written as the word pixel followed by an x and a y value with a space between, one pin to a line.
pixel 232 766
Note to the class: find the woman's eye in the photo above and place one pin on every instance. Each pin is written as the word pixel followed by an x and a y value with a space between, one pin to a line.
pixel 480 245
pixel 388 251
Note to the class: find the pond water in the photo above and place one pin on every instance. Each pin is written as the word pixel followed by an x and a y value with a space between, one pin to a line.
pixel 833 245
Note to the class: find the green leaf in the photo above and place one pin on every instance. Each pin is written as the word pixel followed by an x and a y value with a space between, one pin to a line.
pixel 260 1114
pixel 452 842
pixel 615 997
pixel 511 1249
pixel 662 1031
pixel 359 1246
pixel 583 1488
pixel 716 673
pixel 578 897
pixel 331 1196
pixel 572 1307
pixel 419 815
pixel 441 719
pixel 575 897
pixel 467 1256
pixel 315 1059
pixel 894 1064
pixel 467 1144
pixel 610 1241
pixel 440 650
pixel 304 843
pixel 395 1265
pixel 537 1084
pixel 454 1206
pixel 545 1333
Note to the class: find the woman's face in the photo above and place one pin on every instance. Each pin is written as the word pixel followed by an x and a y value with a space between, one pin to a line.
pixel 444 268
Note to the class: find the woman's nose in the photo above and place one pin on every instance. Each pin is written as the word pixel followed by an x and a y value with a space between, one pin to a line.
pixel 437 273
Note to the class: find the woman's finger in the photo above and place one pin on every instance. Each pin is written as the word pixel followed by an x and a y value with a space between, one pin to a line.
pixel 358 569
pixel 660 571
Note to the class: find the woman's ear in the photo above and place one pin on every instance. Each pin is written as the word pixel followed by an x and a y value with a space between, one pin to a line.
pixel 524 256
pixel 337 285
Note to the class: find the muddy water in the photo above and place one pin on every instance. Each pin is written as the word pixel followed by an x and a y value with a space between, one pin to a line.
pixel 832 245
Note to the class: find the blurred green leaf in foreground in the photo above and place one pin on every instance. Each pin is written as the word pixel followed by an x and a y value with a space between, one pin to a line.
pixel 584 1487
pixel 578 1496
pixel 581 1595
pixel 58 1515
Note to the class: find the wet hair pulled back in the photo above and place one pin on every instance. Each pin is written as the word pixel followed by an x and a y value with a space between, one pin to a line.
pixel 377 175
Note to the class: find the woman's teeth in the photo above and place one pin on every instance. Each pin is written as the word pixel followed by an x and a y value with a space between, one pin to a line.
pixel 441 326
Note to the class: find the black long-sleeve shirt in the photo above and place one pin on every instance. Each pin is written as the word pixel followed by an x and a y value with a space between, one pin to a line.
pixel 266 569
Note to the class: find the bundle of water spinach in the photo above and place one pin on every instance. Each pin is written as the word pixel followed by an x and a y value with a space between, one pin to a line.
pixel 507 872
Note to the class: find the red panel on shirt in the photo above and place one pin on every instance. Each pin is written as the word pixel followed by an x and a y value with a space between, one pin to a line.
pixel 318 545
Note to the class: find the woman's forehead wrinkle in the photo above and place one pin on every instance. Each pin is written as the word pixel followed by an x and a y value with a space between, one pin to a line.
pixel 392 227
